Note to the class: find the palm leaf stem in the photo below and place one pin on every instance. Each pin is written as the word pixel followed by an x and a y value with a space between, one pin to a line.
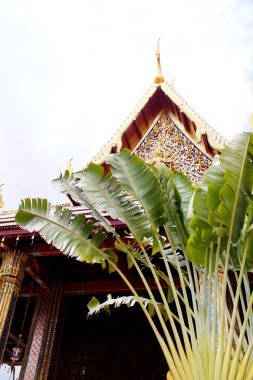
pixel 245 362
pixel 182 239
pixel 206 304
pixel 167 308
pixel 213 337
pixel 229 345
pixel 238 318
pixel 160 289
pixel 234 314
pixel 238 352
pixel 249 375
pixel 180 348
pixel 158 311
pixel 195 365
pixel 247 295
pixel 219 364
pixel 236 357
pixel 210 291
pixel 196 296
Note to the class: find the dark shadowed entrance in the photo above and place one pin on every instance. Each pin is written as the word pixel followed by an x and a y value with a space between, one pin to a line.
pixel 119 346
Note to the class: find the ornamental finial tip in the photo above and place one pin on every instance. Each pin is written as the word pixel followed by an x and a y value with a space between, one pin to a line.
pixel 1 196
pixel 159 76
pixel 69 167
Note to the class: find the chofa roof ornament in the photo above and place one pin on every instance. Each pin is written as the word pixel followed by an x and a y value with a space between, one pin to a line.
pixel 1 196
pixel 159 78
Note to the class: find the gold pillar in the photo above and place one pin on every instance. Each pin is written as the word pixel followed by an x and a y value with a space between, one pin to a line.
pixel 12 273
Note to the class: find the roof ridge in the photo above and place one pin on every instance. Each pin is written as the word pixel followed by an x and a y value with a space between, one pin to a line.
pixel 115 139
pixel 215 139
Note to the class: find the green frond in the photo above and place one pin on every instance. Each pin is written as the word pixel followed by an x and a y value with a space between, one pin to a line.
pixel 69 185
pixel 75 237
pixel 220 205
pixel 138 179
pixel 105 193
pixel 96 307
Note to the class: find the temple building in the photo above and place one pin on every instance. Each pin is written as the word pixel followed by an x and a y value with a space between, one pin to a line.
pixel 43 294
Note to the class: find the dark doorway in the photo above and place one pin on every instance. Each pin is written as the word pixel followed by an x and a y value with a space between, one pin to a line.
pixel 119 346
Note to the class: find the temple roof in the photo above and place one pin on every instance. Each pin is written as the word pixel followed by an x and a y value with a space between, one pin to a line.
pixel 158 97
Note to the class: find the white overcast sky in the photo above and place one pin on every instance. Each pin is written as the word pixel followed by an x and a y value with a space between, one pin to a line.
pixel 72 71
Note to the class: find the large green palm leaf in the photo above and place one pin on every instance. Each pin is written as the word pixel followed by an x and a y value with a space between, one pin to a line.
pixel 221 203
pixel 138 179
pixel 105 193
pixel 74 236
pixel 155 190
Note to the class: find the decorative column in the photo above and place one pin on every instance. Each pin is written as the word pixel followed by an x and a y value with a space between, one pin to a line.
pixel 12 273
pixel 35 340
pixel 47 359
pixel 38 359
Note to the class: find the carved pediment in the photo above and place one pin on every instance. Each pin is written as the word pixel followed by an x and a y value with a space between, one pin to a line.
pixel 167 143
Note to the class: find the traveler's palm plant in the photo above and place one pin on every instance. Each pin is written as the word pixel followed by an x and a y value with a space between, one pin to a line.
pixel 203 235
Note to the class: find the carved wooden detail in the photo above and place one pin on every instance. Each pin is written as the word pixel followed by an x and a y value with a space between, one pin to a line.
pixel 168 144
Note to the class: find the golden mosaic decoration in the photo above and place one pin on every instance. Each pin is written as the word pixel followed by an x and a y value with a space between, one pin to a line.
pixel 168 144
pixel 12 270
pixel 1 196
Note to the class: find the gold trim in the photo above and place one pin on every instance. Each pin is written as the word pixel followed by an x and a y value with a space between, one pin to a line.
pixel 215 139
pixel 116 138
pixel 159 78
pixel 69 167
pixel 149 130
pixel 12 273
pixel 1 196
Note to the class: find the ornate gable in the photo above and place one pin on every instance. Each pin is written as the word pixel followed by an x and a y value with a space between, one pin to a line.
pixel 163 127
pixel 167 143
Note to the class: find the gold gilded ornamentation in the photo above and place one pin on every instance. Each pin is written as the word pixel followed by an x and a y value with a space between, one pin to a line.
pixel 215 139
pixel 167 143
pixel 13 267
pixel 69 167
pixel 159 76
pixel 1 196
pixel 12 273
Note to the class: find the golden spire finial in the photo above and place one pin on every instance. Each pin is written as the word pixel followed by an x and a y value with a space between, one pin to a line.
pixel 69 167
pixel 1 196
pixel 159 76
